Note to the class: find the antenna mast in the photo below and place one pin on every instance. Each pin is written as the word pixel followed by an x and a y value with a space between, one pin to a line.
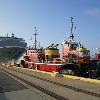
pixel 35 38
pixel 72 36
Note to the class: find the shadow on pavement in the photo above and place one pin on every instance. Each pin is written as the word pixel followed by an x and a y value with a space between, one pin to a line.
pixel 8 84
pixel 3 97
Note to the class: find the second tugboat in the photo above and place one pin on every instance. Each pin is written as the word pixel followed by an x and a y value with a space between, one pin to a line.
pixel 73 50
pixel 74 54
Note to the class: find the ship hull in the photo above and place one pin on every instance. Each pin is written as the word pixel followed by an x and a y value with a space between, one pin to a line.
pixel 9 54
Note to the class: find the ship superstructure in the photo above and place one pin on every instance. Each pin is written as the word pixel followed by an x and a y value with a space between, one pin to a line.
pixel 34 53
pixel 73 49
pixel 12 42
pixel 11 48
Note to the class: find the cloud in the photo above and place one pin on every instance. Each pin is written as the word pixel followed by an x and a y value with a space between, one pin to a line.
pixel 93 12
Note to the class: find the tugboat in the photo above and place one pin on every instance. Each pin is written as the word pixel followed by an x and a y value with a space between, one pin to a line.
pixel 33 54
pixel 72 49
pixel 74 54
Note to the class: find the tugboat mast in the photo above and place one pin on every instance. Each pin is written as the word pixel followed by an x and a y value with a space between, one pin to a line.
pixel 72 36
pixel 35 38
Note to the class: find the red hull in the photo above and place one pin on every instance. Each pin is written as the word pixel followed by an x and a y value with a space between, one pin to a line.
pixel 98 56
pixel 47 67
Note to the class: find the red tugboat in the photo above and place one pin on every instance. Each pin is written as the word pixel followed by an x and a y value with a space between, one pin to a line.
pixel 33 54
pixel 74 54
pixel 52 63
pixel 72 50
pixel 42 59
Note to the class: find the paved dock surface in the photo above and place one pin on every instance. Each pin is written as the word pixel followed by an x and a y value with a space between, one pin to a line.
pixel 11 89
pixel 67 81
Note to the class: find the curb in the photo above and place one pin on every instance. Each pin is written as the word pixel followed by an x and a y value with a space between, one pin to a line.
pixel 54 74
pixel 83 79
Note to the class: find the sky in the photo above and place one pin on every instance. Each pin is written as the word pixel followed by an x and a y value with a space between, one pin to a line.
pixel 52 19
